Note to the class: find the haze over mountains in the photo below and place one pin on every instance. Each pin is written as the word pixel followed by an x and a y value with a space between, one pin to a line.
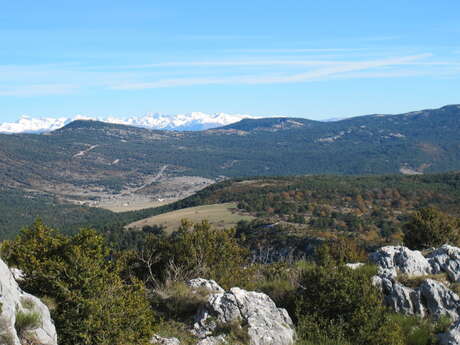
pixel 182 122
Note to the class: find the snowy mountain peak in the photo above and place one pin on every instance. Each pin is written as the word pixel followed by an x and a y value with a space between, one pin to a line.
pixel 183 122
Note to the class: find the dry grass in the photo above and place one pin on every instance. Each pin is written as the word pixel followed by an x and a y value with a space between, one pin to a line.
pixel 218 215
pixel 415 281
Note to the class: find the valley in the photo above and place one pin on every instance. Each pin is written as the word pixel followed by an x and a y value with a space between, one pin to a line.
pixel 93 167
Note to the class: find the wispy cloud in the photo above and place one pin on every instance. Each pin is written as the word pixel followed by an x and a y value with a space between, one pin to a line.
pixel 298 50
pixel 236 63
pixel 316 74
pixel 38 80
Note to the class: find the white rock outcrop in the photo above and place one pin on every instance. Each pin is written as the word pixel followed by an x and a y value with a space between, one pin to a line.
pixel 430 297
pixel 14 302
pixel 266 324
pixel 446 259
pixel 210 285
pixel 439 299
pixel 392 260
pixel 157 340
pixel 399 297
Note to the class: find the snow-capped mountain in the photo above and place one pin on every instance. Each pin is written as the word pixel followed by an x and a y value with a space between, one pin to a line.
pixel 181 122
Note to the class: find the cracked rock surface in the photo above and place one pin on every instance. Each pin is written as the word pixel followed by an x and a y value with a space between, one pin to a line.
pixel 266 324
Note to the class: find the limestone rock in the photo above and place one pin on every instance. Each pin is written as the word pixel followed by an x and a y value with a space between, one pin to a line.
pixel 439 299
pixel 266 324
pixel 394 259
pixel 200 283
pixel 164 341
pixel 14 301
pixel 219 340
pixel 355 265
pixel 446 259
pixel 430 297
pixel 401 298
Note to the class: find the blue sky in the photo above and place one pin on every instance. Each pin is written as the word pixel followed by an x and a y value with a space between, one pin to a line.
pixel 315 59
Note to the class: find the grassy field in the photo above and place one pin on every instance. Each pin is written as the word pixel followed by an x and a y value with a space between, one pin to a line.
pixel 218 215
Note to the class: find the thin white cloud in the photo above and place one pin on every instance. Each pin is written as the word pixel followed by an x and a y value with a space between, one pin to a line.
pixel 236 63
pixel 335 69
pixel 298 50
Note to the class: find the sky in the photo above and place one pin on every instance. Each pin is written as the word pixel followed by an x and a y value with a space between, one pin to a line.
pixel 313 59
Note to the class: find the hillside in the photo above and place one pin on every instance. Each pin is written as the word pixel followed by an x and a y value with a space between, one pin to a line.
pixel 295 212
pixel 123 168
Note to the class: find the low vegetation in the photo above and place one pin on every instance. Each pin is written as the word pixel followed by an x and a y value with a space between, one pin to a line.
pixel 123 290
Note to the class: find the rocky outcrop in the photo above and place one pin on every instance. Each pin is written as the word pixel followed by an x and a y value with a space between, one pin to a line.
pixel 392 260
pixel 429 297
pixel 446 259
pixel 439 299
pixel 399 297
pixel 209 285
pixel 17 306
pixel 252 311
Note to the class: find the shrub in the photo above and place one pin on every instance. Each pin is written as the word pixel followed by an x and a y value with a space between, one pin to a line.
pixel 27 321
pixel 175 300
pixel 419 331
pixel 195 250
pixel 429 227
pixel 336 302
pixel 94 305
pixel 28 303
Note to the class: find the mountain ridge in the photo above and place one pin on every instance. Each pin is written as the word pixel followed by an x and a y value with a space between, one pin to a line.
pixel 181 122
pixel 87 161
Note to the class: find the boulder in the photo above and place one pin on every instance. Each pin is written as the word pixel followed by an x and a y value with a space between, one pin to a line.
pixel 157 340
pixel 392 260
pixel 265 323
pixel 210 285
pixel 14 302
pixel 446 259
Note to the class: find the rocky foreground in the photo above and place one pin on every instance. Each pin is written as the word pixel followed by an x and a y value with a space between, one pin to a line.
pixel 433 280
pixel 24 319
pixel 412 282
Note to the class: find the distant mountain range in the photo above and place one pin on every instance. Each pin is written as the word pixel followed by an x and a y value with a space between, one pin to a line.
pixel 194 121
pixel 87 161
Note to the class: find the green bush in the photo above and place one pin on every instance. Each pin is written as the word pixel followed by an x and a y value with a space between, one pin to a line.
pixel 336 302
pixel 195 250
pixel 428 227
pixel 420 331
pixel 94 305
